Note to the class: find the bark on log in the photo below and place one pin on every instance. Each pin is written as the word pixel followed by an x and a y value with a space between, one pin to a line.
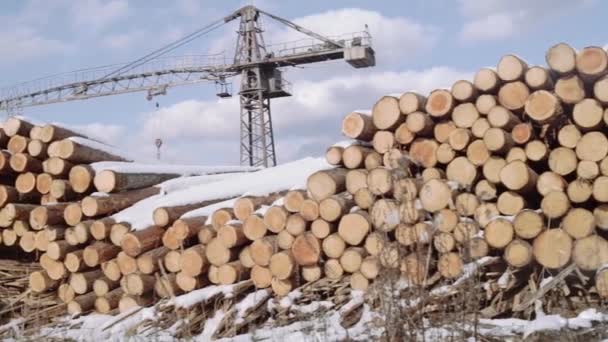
pixel 140 241
pixel 79 153
pixel 306 250
pixel 410 102
pixel 82 304
pixel 95 206
pixel 99 252
pixel 112 181
pixel 358 126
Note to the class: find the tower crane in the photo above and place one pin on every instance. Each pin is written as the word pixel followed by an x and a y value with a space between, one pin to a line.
pixel 257 64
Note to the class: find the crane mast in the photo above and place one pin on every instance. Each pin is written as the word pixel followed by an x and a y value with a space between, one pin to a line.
pixel 257 64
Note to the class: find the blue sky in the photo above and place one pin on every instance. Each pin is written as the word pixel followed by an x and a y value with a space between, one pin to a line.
pixel 420 44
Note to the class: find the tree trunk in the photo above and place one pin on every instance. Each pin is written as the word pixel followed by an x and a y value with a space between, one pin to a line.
pixel 22 162
pixel 358 126
pixel 275 218
pixel 232 272
pixel 79 153
pixel 354 227
pixel 499 233
pixel 81 178
pixel 57 250
pixel 293 200
pixel 95 206
pixel 552 248
pixel 112 181
pixel 82 304
pixel 261 276
pixel 323 184
pixel 17 144
pixel 109 301
pixel 386 114
pixel 217 254
pixel 140 241
pixel 528 224
pixel 333 246
pixel 99 252
pixel 309 210
pixel 487 81
pixel 450 265
pixel 26 184
pixel 513 95
pixel 221 216
pixel 139 284
pixel 247 205
pixel 590 253
pixel 100 229
pixel 570 89
pixel 147 263
pixel 306 249
pixel 83 282
pixel 333 155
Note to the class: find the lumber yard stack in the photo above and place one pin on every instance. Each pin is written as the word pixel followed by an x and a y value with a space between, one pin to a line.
pixel 508 172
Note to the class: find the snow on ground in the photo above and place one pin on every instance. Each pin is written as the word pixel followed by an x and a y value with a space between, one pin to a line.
pixel 182 183
pixel 195 297
pixel 279 178
pixel 184 170
pixel 514 326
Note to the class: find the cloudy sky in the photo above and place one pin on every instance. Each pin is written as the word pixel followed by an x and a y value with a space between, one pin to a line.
pixel 420 45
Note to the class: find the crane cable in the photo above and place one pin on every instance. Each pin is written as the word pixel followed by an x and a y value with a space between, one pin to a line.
pixel 167 48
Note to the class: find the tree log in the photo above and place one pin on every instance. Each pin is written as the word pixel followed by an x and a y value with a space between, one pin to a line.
pixel 81 178
pixel 98 253
pixel 552 248
pixel 95 206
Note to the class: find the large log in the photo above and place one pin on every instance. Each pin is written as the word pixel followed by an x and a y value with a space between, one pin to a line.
pixel 17 144
pixel 553 248
pixel 81 178
pixel 103 205
pixel 52 132
pixel 80 153
pixel 99 252
pixel 140 241
pixel 46 215
pixel 57 167
pixel 354 227
pixel 561 58
pixel 439 103
pixel 17 126
pixel 247 205
pixel 112 181
pixel 386 114
pixel 358 126
pixel 306 249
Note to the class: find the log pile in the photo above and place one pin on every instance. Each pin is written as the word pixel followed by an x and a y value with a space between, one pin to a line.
pixel 508 171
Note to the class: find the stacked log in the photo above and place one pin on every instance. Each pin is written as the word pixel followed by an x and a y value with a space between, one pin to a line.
pixel 513 165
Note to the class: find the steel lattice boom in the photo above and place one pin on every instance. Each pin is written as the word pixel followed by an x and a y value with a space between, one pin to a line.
pixel 256 63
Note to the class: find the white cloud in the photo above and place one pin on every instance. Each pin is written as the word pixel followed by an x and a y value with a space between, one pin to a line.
pixel 97 14
pixel 492 27
pixel 123 40
pixel 393 38
pixel 501 19
pixel 304 123
pixel 22 43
